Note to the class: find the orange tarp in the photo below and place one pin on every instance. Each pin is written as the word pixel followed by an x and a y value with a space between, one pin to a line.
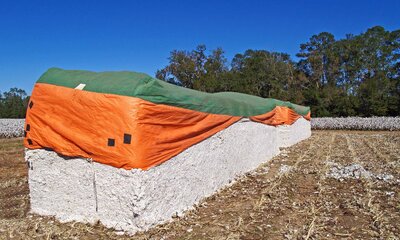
pixel 79 123
pixel 124 132
pixel 278 116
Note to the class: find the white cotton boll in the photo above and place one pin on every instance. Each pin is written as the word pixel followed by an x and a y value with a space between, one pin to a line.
pixel 10 128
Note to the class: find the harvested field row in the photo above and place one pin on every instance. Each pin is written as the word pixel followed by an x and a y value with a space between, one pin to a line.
pixel 294 196
pixel 15 127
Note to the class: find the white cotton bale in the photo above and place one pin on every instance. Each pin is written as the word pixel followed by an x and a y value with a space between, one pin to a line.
pixel 60 186
pixel 289 135
pixel 134 200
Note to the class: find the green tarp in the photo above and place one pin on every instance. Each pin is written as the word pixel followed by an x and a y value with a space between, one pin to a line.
pixel 151 89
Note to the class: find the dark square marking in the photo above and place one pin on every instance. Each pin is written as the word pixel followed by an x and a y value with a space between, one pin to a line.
pixel 127 138
pixel 111 142
pixel 30 141
pixel 30 165
pixel 24 133
pixel 28 127
pixel 31 104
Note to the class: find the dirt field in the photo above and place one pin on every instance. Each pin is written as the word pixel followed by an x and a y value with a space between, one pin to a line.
pixel 335 185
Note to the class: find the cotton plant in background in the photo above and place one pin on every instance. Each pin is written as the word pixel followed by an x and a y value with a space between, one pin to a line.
pixel 10 128
pixel 15 127
pixel 356 123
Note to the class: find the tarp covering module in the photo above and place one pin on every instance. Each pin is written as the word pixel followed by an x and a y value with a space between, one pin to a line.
pixel 131 120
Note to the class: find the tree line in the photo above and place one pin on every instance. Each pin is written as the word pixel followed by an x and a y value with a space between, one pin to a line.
pixel 13 104
pixel 358 75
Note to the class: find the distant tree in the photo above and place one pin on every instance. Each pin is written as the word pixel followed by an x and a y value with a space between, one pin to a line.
pixel 263 73
pixel 1 105
pixel 13 104
pixel 357 75
pixel 195 69
pixel 213 70
pixel 320 63
pixel 379 72
pixel 257 72
pixel 184 67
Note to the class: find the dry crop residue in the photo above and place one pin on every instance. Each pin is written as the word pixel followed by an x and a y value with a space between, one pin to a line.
pixel 14 200
pixel 307 192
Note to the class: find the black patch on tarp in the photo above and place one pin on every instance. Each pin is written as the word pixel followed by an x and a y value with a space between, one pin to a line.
pixel 111 142
pixel 31 104
pixel 28 127
pixel 24 133
pixel 127 138
pixel 30 141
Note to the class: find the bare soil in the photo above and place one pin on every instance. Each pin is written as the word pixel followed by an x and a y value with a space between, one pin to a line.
pixel 293 196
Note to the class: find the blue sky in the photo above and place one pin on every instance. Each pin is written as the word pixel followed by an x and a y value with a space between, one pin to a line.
pixel 139 35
